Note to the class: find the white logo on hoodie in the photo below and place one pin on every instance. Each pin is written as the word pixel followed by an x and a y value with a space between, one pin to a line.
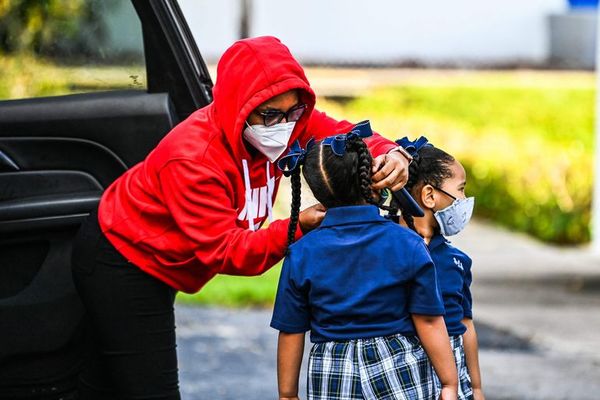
pixel 259 199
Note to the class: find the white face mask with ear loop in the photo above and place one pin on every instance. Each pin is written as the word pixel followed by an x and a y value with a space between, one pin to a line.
pixel 455 217
pixel 271 141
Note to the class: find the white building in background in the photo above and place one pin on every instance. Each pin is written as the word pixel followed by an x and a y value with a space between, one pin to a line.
pixel 380 32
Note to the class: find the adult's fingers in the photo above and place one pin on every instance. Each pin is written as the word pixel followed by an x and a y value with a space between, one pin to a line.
pixel 382 167
pixel 392 174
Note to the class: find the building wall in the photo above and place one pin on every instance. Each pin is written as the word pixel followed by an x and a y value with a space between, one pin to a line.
pixel 385 31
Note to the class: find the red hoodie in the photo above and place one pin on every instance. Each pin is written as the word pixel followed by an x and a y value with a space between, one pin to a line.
pixel 180 215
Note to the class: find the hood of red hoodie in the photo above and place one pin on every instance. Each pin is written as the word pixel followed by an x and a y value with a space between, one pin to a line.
pixel 249 73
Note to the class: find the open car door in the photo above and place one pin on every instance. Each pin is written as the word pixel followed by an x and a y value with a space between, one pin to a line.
pixel 57 155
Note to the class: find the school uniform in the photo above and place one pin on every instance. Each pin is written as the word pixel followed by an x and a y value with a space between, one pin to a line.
pixel 354 283
pixel 453 269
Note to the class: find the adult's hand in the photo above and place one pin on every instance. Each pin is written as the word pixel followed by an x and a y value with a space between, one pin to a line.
pixel 390 171
pixel 311 217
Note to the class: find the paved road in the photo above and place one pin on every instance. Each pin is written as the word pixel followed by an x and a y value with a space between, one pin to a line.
pixel 227 354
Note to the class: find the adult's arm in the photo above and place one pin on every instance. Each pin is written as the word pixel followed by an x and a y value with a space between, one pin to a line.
pixel 200 200
pixel 320 125
pixel 390 167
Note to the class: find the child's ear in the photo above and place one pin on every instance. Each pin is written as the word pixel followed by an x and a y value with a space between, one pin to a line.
pixel 427 196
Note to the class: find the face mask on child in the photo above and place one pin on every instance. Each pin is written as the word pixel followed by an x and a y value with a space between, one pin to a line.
pixel 272 141
pixel 455 217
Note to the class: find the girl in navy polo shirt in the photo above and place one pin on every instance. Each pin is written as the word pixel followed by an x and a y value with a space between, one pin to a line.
pixel 372 306
pixel 437 182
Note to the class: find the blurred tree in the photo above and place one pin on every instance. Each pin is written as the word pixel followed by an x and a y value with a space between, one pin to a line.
pixel 52 27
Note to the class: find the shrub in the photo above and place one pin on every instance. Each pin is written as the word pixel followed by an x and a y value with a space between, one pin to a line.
pixel 527 149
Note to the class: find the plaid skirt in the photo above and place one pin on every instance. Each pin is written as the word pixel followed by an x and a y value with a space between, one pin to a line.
pixel 465 390
pixel 392 367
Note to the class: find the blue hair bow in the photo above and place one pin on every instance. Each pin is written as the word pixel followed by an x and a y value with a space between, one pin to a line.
pixel 338 142
pixel 294 158
pixel 413 147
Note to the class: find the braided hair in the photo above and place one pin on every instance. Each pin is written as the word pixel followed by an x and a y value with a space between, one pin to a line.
pixel 334 180
pixel 339 180
pixel 431 166
pixel 295 206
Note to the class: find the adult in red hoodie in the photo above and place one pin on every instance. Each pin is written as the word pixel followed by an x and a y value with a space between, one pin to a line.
pixel 192 209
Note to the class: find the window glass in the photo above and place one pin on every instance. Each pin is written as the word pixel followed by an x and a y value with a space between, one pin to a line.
pixel 57 47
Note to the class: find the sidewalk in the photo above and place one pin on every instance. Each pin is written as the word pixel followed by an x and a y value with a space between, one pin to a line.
pixel 546 295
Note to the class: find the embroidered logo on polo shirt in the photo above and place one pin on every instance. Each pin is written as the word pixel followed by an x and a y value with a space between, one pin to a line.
pixel 458 263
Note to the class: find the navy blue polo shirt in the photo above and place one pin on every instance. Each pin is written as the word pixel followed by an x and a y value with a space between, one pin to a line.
pixel 358 275
pixel 453 269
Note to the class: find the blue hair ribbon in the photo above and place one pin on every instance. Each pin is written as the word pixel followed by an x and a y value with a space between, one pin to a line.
pixel 413 147
pixel 338 142
pixel 402 195
pixel 294 158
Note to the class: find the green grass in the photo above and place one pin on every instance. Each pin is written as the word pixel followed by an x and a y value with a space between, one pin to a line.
pixel 562 116
pixel 237 291
pixel 25 76
pixel 528 150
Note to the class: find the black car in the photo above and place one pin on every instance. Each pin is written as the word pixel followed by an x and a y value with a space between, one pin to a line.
pixel 57 155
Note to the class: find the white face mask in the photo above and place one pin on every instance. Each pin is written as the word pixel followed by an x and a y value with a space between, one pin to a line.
pixel 271 141
pixel 455 217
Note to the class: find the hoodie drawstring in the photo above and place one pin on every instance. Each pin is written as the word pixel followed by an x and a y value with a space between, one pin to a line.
pixel 270 188
pixel 248 193
pixel 251 213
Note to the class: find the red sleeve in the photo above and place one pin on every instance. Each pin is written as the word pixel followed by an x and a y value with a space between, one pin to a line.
pixel 320 125
pixel 203 210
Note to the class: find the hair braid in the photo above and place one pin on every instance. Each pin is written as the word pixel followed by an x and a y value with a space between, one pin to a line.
pixel 364 172
pixel 363 169
pixel 295 205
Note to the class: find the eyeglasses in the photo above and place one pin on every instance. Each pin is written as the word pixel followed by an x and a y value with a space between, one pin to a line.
pixel 273 117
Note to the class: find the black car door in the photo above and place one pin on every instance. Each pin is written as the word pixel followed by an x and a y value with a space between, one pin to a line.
pixel 57 155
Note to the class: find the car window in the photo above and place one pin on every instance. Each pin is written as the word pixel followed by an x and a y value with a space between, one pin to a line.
pixel 57 47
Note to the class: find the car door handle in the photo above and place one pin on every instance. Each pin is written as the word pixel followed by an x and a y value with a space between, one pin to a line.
pixel 60 211
pixel 7 164
pixel 55 205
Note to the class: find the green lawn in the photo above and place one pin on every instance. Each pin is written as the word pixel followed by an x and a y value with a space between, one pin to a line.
pixel 237 291
pixel 528 149
pixel 26 76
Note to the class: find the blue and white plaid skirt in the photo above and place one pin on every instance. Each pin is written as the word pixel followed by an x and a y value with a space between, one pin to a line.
pixel 384 368
pixel 465 390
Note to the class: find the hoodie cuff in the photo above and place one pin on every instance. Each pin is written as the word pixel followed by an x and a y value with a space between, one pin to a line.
pixel 382 148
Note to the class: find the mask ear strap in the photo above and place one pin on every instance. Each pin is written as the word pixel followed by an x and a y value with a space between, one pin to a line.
pixel 443 191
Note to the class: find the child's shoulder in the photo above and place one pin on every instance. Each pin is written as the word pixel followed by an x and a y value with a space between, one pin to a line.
pixel 441 246
pixel 402 232
pixel 307 241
